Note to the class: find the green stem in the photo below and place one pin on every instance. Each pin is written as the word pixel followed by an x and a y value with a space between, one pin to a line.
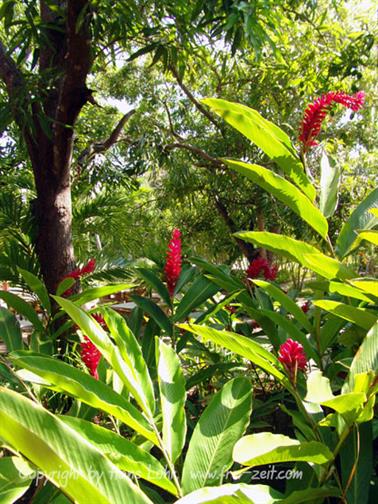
pixel 168 460
pixel 303 410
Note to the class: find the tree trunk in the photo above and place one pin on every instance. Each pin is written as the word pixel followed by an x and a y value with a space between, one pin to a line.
pixel 64 63
pixel 54 239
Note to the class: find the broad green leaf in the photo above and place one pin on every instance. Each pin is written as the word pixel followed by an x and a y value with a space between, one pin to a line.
pixel 64 378
pixel 329 185
pixel 329 331
pixel 154 281
pixel 155 312
pixel 286 302
pixel 99 292
pixel 256 494
pixel 222 423
pixel 368 286
pixel 374 211
pixel 360 453
pixel 298 251
pixel 240 345
pixel 68 460
pixel 366 357
pixel 200 290
pixel 318 388
pixel 284 191
pixel 23 308
pixel 363 318
pixel 266 135
pixel 361 218
pixel 65 285
pixel 370 236
pixel 122 452
pixel 111 353
pixel 267 448
pixel 38 287
pixel 349 291
pixel 16 476
pixel 345 403
pixel 172 398
pixel 10 331
pixel 131 353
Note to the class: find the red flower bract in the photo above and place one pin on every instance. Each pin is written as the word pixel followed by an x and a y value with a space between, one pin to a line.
pixel 90 354
pixel 306 306
pixel 261 265
pixel 292 356
pixel 172 267
pixel 316 112
pixel 77 273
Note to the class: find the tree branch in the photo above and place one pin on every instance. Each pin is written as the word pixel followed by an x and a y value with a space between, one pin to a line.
pixel 101 147
pixel 9 73
pixel 196 150
pixel 195 102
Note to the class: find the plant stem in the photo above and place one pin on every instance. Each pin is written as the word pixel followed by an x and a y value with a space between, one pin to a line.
pixel 168 459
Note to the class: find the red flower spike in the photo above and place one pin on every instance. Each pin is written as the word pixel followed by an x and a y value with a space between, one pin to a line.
pixel 292 356
pixel 316 112
pixel 172 267
pixel 305 306
pixel 78 273
pixel 90 354
pixel 261 265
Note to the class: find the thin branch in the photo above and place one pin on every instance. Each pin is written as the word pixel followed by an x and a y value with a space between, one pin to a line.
pixel 199 152
pixel 195 102
pixel 101 147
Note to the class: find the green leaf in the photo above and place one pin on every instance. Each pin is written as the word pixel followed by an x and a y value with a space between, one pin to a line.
pixel 65 285
pixel 155 282
pixel 368 286
pixel 131 353
pixel 347 290
pixel 62 377
pixel 359 316
pixel 220 426
pixel 172 398
pixel 69 461
pixel 256 494
pixel 15 478
pixel 38 287
pixel 200 290
pixel 285 301
pixel 99 292
pixel 359 453
pixel 318 388
pixel 10 331
pixel 299 251
pixel 155 312
pixel 345 403
pixel 122 452
pixel 240 345
pixel 284 191
pixel 111 353
pixel 329 332
pixel 329 185
pixel 370 236
pixel 361 218
pixel 266 135
pixel 267 448
pixel 366 357
pixel 23 308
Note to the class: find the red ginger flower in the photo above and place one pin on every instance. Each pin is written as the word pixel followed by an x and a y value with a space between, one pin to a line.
pixel 292 356
pixel 90 354
pixel 306 306
pixel 172 267
pixel 316 112
pixel 79 272
pixel 259 265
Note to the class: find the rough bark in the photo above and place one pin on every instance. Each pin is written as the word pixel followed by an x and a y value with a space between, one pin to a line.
pixel 65 60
